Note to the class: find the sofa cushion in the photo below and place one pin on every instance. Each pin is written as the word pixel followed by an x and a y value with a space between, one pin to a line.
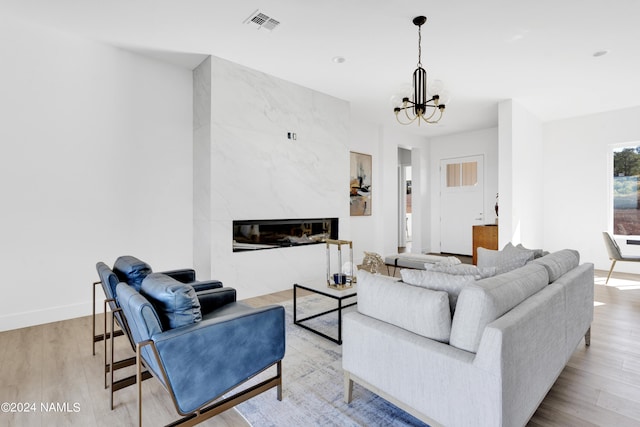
pixel 131 270
pixel 176 303
pixel 422 311
pixel 486 300
pixel 558 263
pixel 505 260
pixel 452 284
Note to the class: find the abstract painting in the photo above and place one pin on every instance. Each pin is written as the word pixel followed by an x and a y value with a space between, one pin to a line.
pixel 360 184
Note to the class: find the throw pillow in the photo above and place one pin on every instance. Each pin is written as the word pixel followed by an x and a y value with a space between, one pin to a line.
pixel 437 281
pixel 176 303
pixel 510 248
pixel 537 253
pixel 505 260
pixel 462 270
pixel 450 260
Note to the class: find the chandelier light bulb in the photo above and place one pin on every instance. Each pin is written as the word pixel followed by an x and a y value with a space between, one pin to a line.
pixel 396 100
pixel 445 97
pixel 436 87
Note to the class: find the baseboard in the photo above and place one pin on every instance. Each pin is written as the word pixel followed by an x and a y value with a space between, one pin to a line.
pixel 48 315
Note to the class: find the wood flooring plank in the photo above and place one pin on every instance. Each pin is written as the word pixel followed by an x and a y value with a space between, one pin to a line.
pixel 620 405
pixel 547 416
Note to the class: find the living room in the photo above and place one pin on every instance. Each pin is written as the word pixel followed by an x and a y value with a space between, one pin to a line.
pixel 100 159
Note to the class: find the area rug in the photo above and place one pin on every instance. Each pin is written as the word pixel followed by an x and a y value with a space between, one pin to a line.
pixel 313 382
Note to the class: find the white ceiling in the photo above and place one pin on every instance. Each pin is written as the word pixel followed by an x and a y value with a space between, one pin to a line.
pixel 538 52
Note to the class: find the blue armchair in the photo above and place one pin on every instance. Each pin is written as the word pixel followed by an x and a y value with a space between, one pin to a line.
pixel 130 270
pixel 201 346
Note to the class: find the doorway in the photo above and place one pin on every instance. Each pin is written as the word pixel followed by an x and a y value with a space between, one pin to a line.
pixel 461 202
pixel 404 200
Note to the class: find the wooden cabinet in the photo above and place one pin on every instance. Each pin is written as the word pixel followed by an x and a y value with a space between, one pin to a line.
pixel 484 236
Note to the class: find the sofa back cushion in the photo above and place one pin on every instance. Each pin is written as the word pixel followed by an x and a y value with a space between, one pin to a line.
pixel 452 284
pixel 486 300
pixel 176 303
pixel 559 263
pixel 131 270
pixel 422 311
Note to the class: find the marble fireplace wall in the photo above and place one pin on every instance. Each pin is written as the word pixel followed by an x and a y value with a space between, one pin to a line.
pixel 245 167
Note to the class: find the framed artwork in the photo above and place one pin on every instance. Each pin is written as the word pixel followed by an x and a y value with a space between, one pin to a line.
pixel 360 184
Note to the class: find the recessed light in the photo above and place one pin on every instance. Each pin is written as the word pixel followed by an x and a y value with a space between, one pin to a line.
pixel 339 59
pixel 600 53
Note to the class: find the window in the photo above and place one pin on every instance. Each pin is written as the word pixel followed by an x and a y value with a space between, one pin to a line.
pixel 626 206
pixel 462 174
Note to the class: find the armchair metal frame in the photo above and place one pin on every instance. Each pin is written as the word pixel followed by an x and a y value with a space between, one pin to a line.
pixel 115 385
pixel 111 365
pixel 105 335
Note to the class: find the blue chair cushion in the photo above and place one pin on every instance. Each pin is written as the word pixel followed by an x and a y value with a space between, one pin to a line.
pixel 131 270
pixel 108 279
pixel 176 303
pixel 142 320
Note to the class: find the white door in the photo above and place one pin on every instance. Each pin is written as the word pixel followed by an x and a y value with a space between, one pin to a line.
pixel 461 202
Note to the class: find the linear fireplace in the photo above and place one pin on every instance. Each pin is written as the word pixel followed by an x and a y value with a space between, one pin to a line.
pixel 251 235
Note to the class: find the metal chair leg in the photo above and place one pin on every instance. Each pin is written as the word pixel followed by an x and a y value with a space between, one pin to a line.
pixel 93 324
pixel 139 381
pixel 610 270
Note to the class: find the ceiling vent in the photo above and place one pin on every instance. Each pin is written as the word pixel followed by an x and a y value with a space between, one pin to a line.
pixel 261 20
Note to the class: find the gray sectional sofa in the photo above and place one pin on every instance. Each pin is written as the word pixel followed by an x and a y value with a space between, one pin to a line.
pixel 485 358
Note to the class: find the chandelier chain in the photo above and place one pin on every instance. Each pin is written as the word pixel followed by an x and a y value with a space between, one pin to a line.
pixel 419 45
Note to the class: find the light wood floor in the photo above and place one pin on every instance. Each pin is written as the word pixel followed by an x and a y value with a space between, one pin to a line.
pixel 53 363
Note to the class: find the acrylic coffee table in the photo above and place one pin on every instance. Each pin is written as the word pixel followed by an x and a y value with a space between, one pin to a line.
pixel 340 295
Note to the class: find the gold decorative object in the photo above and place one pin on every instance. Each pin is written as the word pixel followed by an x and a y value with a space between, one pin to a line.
pixel 372 262
pixel 344 277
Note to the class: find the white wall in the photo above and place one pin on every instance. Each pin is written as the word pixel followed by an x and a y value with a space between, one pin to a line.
pixel 576 182
pixel 95 162
pixel 481 142
pixel 256 172
pixel 521 186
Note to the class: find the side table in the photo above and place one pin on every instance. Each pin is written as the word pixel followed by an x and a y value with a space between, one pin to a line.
pixel 337 294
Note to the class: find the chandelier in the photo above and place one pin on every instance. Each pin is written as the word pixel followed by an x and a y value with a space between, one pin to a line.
pixel 419 107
